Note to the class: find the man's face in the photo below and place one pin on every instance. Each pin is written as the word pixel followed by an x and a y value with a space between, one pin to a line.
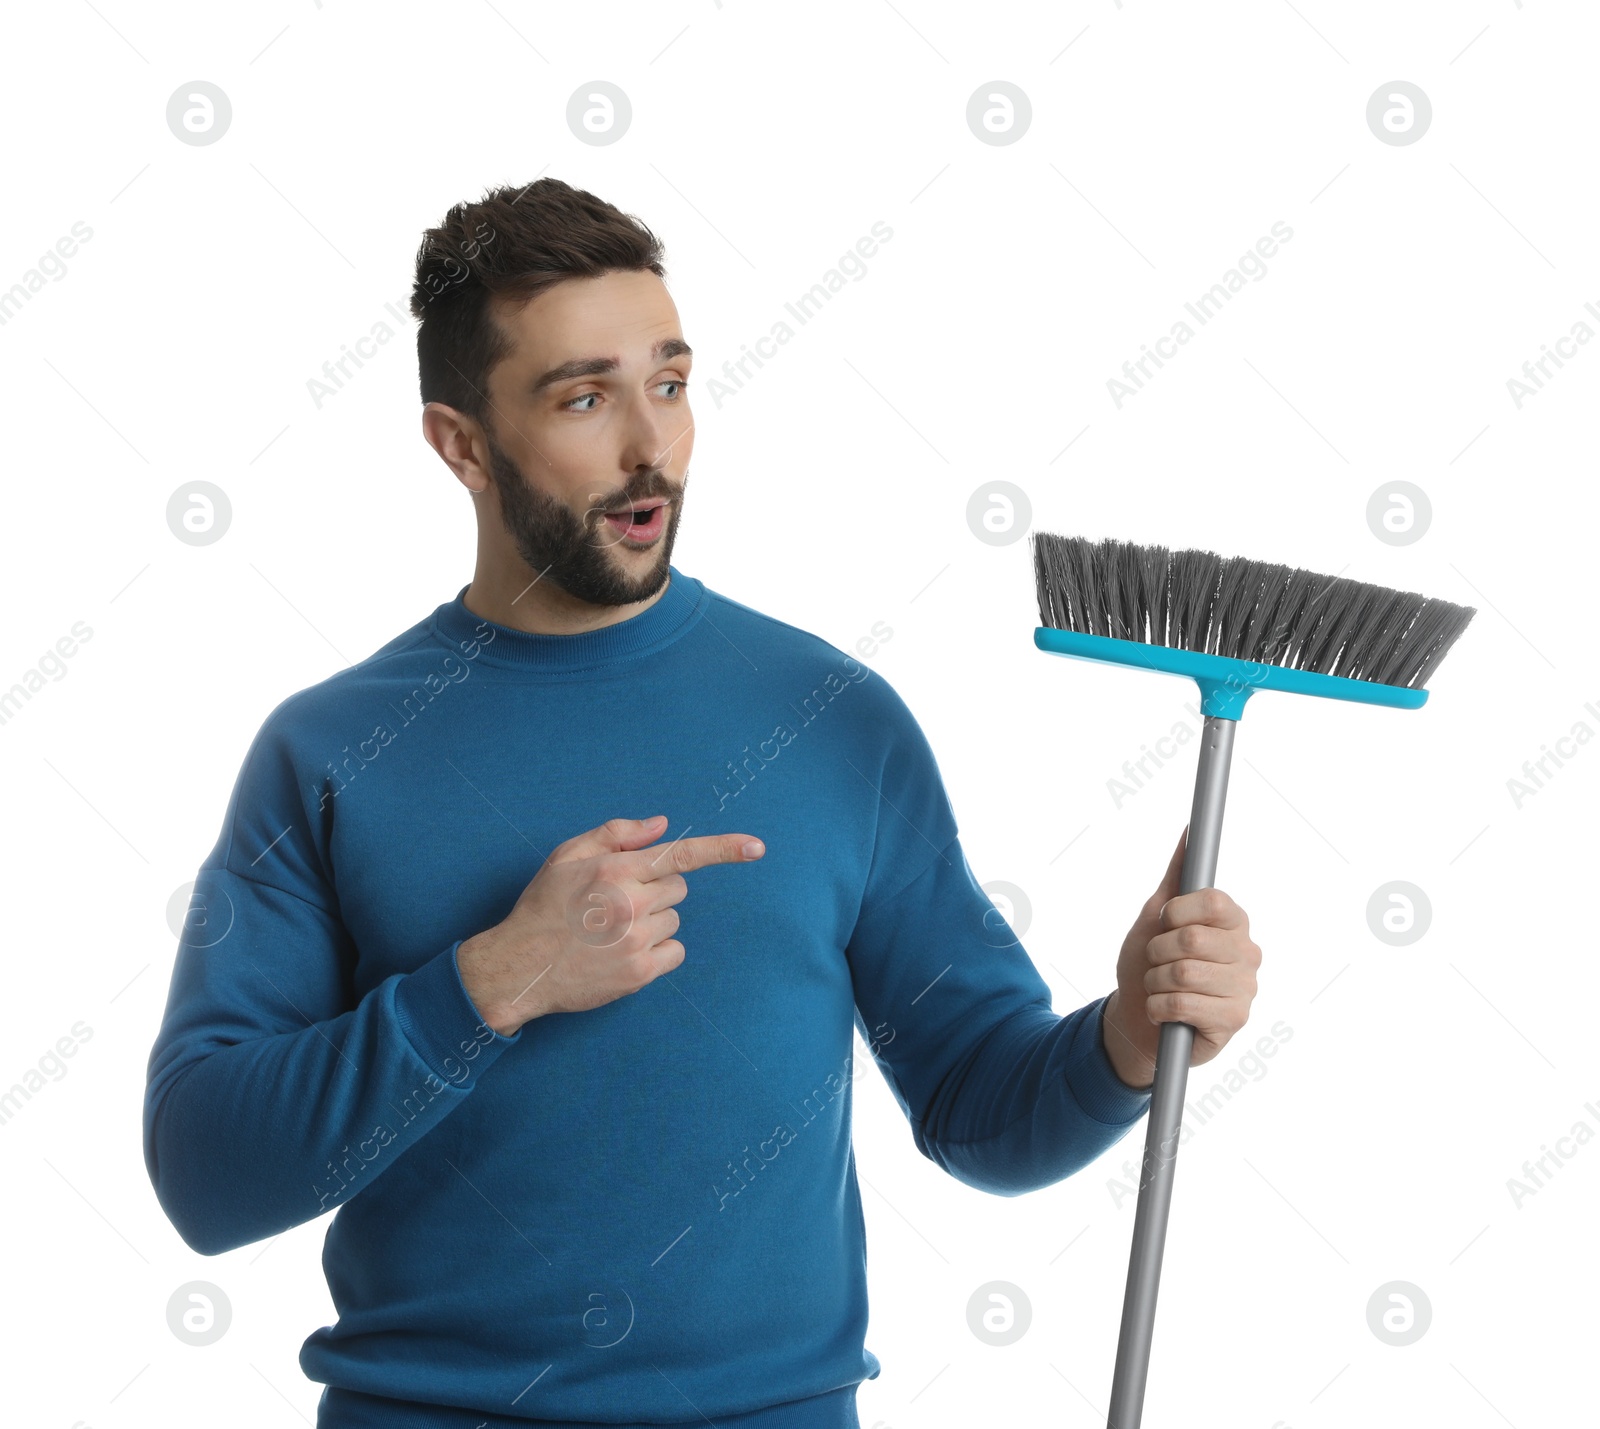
pixel 588 418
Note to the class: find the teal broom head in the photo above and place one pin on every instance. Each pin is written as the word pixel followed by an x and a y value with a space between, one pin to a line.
pixel 1236 626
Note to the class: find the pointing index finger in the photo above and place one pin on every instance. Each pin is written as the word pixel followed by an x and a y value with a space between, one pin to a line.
pixel 684 855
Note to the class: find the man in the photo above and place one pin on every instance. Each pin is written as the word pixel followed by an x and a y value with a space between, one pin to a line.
pixel 534 943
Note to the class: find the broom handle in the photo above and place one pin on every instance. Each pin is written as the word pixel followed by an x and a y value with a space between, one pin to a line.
pixel 1166 1103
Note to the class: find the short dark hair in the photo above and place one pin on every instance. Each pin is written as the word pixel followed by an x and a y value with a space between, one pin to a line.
pixel 513 243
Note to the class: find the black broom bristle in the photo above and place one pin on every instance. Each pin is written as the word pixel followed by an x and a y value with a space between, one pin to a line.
pixel 1244 609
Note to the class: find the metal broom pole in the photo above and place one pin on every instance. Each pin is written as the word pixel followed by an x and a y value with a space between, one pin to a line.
pixel 1166 1103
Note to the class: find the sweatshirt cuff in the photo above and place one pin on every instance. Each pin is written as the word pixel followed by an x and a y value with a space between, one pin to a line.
pixel 1094 1081
pixel 442 1022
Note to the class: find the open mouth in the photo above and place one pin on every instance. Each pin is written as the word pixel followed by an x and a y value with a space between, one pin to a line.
pixel 642 524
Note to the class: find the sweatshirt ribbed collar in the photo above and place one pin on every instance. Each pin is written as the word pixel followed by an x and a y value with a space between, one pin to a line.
pixel 678 607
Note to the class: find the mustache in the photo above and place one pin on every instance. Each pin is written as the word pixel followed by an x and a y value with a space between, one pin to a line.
pixel 646 488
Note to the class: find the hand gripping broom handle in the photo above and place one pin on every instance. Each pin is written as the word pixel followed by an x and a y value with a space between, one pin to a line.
pixel 1166 1104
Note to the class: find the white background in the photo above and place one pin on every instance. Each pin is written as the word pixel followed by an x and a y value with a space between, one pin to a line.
pixel 832 491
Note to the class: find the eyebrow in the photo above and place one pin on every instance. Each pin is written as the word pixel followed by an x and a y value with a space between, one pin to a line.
pixel 598 366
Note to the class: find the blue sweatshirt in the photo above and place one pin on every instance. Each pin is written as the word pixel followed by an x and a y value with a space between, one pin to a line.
pixel 642 1213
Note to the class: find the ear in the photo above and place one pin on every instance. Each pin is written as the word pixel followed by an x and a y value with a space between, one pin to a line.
pixel 456 437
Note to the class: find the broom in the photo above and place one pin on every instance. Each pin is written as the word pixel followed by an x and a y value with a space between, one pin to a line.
pixel 1234 626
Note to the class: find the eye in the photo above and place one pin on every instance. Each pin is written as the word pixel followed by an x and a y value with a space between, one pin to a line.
pixel 679 383
pixel 586 397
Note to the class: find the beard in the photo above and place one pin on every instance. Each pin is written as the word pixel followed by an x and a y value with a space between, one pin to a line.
pixel 574 551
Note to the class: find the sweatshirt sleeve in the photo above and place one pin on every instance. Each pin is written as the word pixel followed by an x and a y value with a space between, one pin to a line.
pixel 273 1093
pixel 1002 1092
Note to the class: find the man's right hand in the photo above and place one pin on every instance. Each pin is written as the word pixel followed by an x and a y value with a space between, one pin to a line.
pixel 595 924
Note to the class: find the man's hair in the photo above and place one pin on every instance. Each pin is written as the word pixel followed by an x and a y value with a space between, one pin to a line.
pixel 513 243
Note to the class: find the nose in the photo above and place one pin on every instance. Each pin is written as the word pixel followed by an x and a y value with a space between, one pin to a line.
pixel 653 437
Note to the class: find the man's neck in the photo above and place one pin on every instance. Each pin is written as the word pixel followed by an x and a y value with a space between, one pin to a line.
pixel 539 607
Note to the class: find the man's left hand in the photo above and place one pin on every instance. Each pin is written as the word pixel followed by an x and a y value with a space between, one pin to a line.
pixel 1187 958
